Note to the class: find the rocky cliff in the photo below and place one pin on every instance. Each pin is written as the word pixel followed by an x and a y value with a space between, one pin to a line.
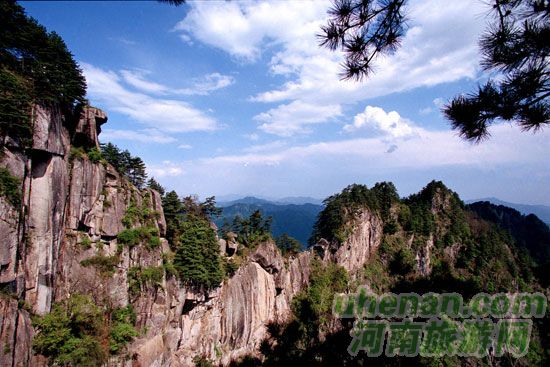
pixel 61 239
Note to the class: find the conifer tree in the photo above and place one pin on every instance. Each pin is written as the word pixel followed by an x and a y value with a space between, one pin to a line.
pixel 515 46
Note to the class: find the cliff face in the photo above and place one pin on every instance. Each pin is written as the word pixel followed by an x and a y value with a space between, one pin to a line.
pixel 71 211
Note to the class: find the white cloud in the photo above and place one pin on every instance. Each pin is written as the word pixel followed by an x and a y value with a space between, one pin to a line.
pixel 166 169
pixel 243 29
pixel 274 145
pixel 322 168
pixel 143 136
pixel 167 115
pixel 252 136
pixel 424 149
pixel 292 118
pixel 388 123
pixel 136 80
pixel 200 86
pixel 440 47
pixel 185 146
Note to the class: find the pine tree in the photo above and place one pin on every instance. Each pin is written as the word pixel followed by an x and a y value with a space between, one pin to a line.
pixel 172 208
pixel 154 185
pixel 197 257
pixel 515 46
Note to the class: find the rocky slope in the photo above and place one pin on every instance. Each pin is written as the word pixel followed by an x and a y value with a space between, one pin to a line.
pixel 62 240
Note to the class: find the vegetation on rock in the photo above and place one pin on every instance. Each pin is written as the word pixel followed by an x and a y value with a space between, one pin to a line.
pixel 79 333
pixel 10 187
pixel 35 67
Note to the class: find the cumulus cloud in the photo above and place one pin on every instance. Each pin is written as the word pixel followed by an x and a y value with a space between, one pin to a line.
pixel 431 53
pixel 388 123
pixel 143 136
pixel 166 115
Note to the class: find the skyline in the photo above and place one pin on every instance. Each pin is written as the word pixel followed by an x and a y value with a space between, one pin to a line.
pixel 232 98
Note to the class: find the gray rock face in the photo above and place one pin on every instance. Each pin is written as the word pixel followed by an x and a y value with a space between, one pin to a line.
pixel 49 133
pixel 89 127
pixel 365 238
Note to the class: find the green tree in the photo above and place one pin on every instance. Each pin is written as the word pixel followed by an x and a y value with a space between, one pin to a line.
pixel 35 67
pixel 288 244
pixel 136 172
pixel 154 185
pixel 131 167
pixel 515 46
pixel 197 254
pixel 70 334
pixel 252 230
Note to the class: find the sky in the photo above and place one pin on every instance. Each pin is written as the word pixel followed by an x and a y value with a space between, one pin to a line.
pixel 238 98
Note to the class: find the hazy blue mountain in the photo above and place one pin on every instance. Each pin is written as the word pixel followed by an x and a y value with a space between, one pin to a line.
pixel 295 219
pixel 299 200
pixel 541 211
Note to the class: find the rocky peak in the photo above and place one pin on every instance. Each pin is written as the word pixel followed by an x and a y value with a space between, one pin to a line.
pixel 88 127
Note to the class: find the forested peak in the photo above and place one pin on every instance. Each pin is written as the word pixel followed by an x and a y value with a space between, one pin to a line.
pixel 341 207
pixel 436 195
pixel 528 231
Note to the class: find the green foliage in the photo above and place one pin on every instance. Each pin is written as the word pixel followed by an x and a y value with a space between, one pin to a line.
pixel 94 155
pixel 106 265
pixel 15 106
pixel 71 333
pixel 76 152
pixel 10 187
pixel 85 242
pixel 154 185
pixel 127 165
pixel 35 66
pixel 253 230
pixel 528 231
pixel 177 211
pixel 325 280
pixel 122 330
pixel 403 262
pixel 230 266
pixel 197 254
pixel 332 223
pixel 288 245
pixel 77 332
pixel 135 236
pixel 141 277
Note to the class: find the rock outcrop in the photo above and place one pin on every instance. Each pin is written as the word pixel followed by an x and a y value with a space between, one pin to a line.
pixel 72 210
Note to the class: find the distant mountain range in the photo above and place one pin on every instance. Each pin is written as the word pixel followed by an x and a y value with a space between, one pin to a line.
pixel 541 211
pixel 294 216
pixel 297 215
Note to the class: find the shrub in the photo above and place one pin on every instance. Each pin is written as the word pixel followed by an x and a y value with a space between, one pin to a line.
pixel 70 334
pixel 135 236
pixel 10 187
pixel 122 329
pixel 139 278
pixel 94 155
pixel 106 265
pixel 85 242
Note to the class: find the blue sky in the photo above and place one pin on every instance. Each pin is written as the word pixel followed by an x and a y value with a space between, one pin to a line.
pixel 223 98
